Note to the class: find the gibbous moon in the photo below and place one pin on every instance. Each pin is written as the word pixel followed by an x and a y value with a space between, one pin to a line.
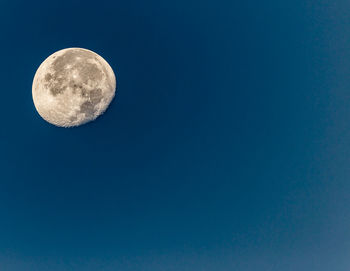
pixel 72 87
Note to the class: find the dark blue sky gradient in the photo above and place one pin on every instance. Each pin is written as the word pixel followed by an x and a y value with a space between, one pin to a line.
pixel 226 147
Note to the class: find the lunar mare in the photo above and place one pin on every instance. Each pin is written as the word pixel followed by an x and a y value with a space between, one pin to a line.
pixel 72 87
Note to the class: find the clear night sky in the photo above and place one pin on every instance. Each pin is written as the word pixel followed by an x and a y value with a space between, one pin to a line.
pixel 227 146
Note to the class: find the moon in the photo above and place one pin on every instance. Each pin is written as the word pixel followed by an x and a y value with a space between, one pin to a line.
pixel 73 86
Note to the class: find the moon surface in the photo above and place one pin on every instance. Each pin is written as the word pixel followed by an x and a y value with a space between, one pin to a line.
pixel 73 86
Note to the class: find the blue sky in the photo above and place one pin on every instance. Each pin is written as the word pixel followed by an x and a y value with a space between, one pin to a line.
pixel 225 148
